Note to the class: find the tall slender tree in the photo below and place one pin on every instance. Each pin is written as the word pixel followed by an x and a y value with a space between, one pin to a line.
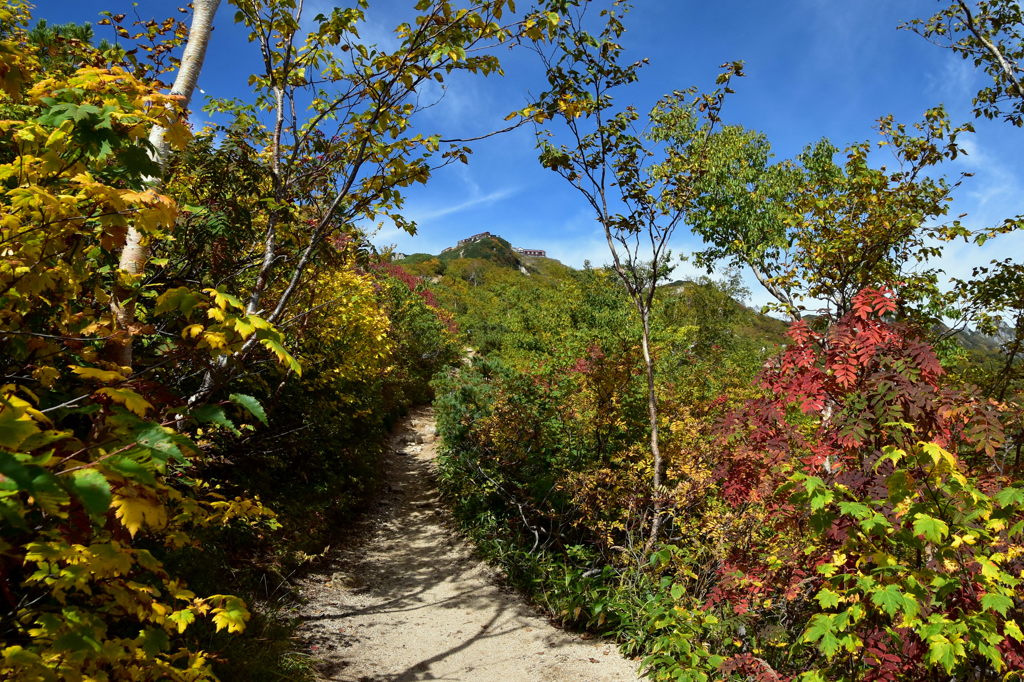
pixel 340 137
pixel 638 178
pixel 135 253
pixel 989 33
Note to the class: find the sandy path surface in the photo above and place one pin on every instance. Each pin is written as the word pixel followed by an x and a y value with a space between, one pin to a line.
pixel 406 600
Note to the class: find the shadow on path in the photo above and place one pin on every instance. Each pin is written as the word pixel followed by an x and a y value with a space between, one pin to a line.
pixel 406 600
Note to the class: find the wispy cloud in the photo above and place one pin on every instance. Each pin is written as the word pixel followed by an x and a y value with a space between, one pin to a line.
pixel 492 197
pixel 954 83
pixel 994 191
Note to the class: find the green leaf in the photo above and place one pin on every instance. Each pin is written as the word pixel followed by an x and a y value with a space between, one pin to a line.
pixel 154 640
pixel 1010 496
pixel 93 489
pixel 250 404
pixel 996 602
pixel 214 414
pixel 131 469
pixel 812 483
pixel 75 641
pixel 161 441
pixel 1011 629
pixel 49 494
pixel 855 509
pixel 13 474
pixel 934 530
pixel 821 630
pixel 181 299
pixel 182 619
pixel 811 676
pixel 820 499
pixel 943 652
pixel 827 598
pixel 890 599
pixel 877 521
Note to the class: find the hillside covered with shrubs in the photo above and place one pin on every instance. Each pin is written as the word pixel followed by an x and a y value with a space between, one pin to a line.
pixel 204 352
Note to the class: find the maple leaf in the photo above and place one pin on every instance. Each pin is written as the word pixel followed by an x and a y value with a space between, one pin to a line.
pixel 996 602
pixel 822 631
pixel 103 376
pixel 133 512
pixel 231 615
pixel 182 619
pixel 827 598
pixel 933 530
pixel 127 397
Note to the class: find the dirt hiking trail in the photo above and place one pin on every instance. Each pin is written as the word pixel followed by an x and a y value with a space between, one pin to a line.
pixel 406 600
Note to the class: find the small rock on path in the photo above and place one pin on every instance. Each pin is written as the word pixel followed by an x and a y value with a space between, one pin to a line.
pixel 406 600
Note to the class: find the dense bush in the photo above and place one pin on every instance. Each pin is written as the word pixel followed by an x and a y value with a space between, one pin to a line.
pixel 850 516
pixel 371 344
pixel 96 485
pixel 143 415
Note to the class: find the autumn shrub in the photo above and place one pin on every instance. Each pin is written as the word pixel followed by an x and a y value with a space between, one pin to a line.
pixel 369 341
pixel 96 489
pixel 852 514
pixel 519 440
pixel 900 521
pixel 129 494
pixel 147 398
pixel 871 522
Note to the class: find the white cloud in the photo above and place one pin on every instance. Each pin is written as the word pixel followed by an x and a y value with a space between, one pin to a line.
pixel 490 198
pixel 993 192
pixel 955 82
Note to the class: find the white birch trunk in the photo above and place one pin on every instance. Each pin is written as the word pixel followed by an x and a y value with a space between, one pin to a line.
pixel 135 253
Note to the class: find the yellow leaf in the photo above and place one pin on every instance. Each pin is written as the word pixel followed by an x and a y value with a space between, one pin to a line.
pixel 47 376
pixel 231 615
pixel 223 300
pixel 177 135
pixel 129 398
pixel 192 331
pixel 244 326
pixel 182 619
pixel 215 340
pixel 101 375
pixel 133 512
pixel 16 423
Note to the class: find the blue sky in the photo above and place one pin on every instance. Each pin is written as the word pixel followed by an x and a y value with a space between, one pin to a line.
pixel 816 68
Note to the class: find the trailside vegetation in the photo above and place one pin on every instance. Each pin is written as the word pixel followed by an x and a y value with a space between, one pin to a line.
pixel 201 355
pixel 843 501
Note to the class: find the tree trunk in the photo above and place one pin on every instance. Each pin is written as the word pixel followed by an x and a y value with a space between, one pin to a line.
pixel 644 303
pixel 652 411
pixel 135 253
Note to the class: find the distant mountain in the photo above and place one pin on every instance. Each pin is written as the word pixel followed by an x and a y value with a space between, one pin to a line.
pixel 493 249
pixel 976 340
pixel 484 247
pixel 474 256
